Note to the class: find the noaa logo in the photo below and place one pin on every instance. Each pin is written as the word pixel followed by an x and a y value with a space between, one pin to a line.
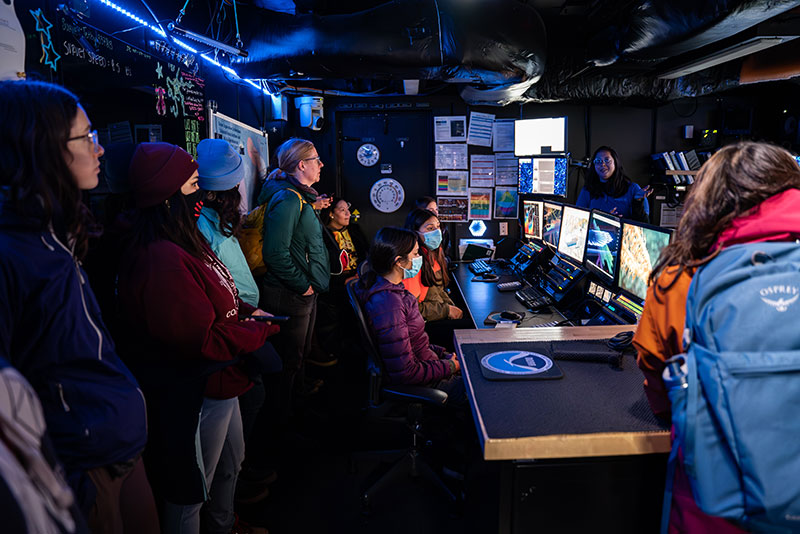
pixel 782 296
pixel 515 362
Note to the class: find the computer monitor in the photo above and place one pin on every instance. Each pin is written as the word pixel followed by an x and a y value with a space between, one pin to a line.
pixel 551 223
pixel 602 245
pixel 639 251
pixel 540 136
pixel 544 175
pixel 574 227
pixel 532 219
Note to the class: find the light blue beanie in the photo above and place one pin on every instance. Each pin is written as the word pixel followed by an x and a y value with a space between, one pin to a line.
pixel 220 166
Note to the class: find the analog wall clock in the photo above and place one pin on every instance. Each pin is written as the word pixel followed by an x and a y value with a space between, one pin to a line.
pixel 368 154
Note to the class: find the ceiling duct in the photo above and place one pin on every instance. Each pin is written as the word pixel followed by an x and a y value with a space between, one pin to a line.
pixel 486 42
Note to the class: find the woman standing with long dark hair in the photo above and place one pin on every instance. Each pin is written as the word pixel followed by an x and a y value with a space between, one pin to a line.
pixel 608 189
pixel 50 324
pixel 747 192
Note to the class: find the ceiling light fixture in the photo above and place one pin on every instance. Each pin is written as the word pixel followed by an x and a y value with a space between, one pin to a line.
pixel 155 28
pixel 736 51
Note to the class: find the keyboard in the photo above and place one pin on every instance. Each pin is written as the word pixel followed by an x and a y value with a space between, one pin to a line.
pixel 480 267
pixel 509 286
pixel 533 298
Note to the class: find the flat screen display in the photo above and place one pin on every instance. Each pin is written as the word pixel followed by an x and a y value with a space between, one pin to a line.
pixel 540 136
pixel 574 227
pixel 551 223
pixel 532 219
pixel 543 175
pixel 602 245
pixel 638 254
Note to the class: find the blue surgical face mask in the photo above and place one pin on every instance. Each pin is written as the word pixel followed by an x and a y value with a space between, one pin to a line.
pixel 416 265
pixel 432 239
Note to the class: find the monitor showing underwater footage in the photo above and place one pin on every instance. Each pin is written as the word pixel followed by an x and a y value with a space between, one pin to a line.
pixel 639 251
pixel 532 219
pixel 602 245
pixel 551 223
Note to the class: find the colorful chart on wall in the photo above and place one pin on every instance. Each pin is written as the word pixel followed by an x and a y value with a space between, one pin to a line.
pixel 387 195
pixel 506 200
pixel 480 204
pixel 451 182
pixel 453 209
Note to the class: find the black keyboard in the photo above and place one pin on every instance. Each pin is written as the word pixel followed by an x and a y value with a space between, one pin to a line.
pixel 480 267
pixel 532 298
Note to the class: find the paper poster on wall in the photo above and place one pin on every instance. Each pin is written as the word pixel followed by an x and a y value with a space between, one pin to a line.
pixel 252 146
pixel 451 156
pixel 506 203
pixel 453 209
pixel 451 183
pixel 503 135
pixel 449 129
pixel 480 129
pixel 481 171
pixel 12 43
pixel 670 215
pixel 506 169
pixel 480 204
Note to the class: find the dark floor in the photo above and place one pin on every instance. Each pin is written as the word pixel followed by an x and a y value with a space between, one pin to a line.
pixel 323 472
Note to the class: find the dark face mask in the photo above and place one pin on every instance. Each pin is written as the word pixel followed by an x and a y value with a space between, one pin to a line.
pixel 194 201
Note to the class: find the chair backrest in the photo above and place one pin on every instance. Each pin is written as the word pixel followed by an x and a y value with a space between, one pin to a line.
pixel 374 360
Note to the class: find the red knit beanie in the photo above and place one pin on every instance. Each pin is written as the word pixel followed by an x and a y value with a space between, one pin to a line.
pixel 157 171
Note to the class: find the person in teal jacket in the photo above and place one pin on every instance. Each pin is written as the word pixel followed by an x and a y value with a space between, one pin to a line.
pixel 297 262
pixel 220 171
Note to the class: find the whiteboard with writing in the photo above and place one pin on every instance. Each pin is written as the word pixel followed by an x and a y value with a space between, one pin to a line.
pixel 252 144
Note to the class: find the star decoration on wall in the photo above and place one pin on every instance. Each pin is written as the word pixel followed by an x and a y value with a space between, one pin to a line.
pixel 49 55
pixel 42 24
pixel 159 70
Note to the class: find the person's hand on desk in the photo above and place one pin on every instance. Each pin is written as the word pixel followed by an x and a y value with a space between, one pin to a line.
pixel 451 357
pixel 454 312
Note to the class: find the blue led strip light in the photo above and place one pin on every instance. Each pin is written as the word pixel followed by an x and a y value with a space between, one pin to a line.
pixel 180 43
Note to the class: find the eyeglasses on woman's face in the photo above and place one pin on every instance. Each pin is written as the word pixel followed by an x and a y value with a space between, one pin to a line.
pixel 606 160
pixel 91 137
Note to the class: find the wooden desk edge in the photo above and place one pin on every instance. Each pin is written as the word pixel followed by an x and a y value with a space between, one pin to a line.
pixel 557 446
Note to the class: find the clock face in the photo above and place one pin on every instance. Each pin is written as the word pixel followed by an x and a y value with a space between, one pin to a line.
pixel 387 195
pixel 368 154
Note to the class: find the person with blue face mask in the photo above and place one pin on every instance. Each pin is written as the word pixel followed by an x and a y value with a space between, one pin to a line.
pixel 608 189
pixel 430 285
pixel 393 315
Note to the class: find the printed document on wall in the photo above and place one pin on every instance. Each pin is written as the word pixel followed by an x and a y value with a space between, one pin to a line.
pixel 503 135
pixel 451 156
pixel 480 129
pixel 481 171
pixel 449 129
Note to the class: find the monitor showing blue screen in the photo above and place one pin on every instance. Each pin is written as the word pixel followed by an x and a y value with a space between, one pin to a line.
pixel 551 223
pixel 543 175
pixel 602 245
pixel 638 253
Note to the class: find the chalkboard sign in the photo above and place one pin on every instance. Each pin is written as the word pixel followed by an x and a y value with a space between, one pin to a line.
pixel 121 82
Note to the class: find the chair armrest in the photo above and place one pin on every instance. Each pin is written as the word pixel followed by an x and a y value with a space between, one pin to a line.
pixel 421 394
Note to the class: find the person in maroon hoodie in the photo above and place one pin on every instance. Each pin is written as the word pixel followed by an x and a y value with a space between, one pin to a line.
pixel 182 305
pixel 747 192
pixel 393 315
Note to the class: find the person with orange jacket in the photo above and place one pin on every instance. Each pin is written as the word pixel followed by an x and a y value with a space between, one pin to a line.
pixel 746 193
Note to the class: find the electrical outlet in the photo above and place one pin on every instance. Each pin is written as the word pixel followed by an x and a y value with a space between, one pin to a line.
pixel 503 228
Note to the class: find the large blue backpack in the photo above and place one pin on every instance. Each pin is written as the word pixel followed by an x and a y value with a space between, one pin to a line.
pixel 736 398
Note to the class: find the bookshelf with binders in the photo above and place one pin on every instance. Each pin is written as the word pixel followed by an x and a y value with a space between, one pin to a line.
pixel 679 167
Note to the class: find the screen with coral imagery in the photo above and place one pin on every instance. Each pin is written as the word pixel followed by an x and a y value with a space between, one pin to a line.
pixel 532 219
pixel 543 175
pixel 638 254
pixel 551 223
pixel 602 245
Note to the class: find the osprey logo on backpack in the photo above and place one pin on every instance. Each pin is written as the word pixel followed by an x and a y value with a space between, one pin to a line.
pixel 740 380
pixel 782 304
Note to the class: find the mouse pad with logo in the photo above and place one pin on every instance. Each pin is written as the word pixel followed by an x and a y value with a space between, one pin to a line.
pixel 519 365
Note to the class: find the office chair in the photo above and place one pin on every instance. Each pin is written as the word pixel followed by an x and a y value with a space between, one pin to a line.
pixel 383 398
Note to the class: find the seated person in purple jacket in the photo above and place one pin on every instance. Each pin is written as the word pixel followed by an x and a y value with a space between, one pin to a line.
pixel 393 316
